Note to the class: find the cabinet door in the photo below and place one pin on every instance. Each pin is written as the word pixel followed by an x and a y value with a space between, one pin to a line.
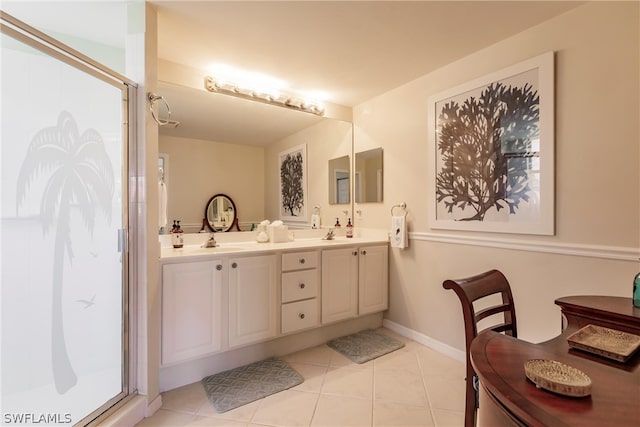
pixel 373 279
pixel 191 310
pixel 252 299
pixel 339 284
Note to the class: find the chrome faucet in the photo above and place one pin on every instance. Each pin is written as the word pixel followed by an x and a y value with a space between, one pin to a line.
pixel 330 235
pixel 211 243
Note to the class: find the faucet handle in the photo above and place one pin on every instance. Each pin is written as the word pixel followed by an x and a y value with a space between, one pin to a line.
pixel 329 235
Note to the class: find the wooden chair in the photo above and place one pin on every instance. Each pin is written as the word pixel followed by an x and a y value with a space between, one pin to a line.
pixel 472 289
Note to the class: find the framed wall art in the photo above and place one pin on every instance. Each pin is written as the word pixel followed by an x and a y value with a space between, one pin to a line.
pixel 491 143
pixel 293 184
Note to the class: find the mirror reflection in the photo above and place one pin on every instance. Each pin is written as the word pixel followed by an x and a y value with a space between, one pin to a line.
pixel 220 213
pixel 226 145
pixel 368 176
pixel 339 181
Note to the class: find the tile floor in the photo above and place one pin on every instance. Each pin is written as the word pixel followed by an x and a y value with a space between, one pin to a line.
pixel 413 386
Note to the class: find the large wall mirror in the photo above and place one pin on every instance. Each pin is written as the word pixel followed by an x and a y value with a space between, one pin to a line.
pixel 228 145
pixel 340 180
pixel 368 177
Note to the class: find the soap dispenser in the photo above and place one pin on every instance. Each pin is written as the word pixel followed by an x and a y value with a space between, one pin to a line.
pixel 349 229
pixel 337 223
pixel 177 238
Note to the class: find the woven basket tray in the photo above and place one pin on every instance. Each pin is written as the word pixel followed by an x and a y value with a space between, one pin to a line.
pixel 558 377
pixel 605 342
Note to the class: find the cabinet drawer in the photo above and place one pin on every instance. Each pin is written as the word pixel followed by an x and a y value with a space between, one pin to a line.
pixel 299 285
pixel 299 261
pixel 300 315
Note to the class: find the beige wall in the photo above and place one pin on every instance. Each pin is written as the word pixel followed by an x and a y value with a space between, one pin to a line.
pixel 200 169
pixel 597 179
pixel 326 140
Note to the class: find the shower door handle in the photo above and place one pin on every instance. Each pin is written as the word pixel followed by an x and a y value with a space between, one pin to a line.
pixel 123 239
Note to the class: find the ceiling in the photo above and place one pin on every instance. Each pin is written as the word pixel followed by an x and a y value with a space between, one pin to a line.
pixel 351 50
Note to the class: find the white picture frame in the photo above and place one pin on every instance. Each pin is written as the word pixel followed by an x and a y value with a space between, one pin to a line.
pixel 500 181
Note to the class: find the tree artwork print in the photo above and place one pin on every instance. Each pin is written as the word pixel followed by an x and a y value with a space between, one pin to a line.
pixel 488 146
pixel 292 184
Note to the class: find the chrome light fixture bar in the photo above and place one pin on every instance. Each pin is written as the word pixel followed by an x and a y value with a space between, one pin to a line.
pixel 212 85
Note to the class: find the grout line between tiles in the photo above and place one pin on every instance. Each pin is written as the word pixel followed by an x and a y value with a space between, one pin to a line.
pixel 426 389
pixel 315 408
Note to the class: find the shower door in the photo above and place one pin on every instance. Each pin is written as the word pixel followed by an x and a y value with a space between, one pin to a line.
pixel 63 166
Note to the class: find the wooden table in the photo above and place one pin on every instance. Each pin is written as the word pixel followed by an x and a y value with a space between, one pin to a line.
pixel 508 398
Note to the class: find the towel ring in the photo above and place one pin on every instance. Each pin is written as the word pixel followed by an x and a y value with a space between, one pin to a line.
pixel 402 206
pixel 152 97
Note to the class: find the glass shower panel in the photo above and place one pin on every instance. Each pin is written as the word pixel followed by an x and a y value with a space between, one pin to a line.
pixel 63 204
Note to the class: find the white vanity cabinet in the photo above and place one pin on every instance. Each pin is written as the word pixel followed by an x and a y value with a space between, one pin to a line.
pixel 373 279
pixel 300 291
pixel 220 305
pixel 191 309
pixel 355 281
pixel 252 299
pixel 339 284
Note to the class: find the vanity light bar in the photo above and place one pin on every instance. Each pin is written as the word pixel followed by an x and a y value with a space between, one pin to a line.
pixel 212 85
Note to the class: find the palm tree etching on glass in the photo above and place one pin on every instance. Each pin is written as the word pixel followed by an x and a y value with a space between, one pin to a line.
pixel 486 147
pixel 80 176
pixel 291 170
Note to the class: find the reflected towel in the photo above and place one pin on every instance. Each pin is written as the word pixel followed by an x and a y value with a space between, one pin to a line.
pixel 162 204
pixel 399 232
pixel 315 221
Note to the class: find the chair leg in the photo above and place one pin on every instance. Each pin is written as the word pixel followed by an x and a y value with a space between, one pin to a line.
pixel 470 403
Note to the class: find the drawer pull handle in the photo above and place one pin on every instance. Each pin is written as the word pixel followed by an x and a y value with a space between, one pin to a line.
pixel 301 315
pixel 218 267
pixel 234 265
pixel 363 252
pixel 301 285
pixel 301 260
pixel 354 253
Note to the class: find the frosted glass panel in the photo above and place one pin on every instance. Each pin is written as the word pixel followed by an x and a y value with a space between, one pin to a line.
pixel 95 28
pixel 62 206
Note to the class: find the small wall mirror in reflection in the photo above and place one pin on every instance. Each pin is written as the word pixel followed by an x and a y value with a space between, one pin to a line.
pixel 221 213
pixel 339 182
pixel 368 177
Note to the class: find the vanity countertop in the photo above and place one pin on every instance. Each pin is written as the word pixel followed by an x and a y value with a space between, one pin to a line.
pixel 193 250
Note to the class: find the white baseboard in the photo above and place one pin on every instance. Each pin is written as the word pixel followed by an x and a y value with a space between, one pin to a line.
pixel 153 406
pixel 423 339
